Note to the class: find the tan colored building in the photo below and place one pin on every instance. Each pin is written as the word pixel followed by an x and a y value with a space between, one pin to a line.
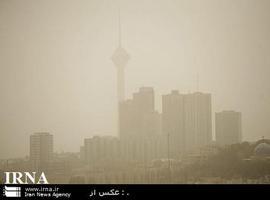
pixel 173 119
pixel 41 150
pixel 198 120
pixel 187 121
pixel 228 127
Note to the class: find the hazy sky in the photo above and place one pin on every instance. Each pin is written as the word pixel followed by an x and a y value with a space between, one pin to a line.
pixel 56 74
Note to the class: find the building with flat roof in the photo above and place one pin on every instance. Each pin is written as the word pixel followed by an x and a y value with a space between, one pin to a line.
pixel 41 150
pixel 228 127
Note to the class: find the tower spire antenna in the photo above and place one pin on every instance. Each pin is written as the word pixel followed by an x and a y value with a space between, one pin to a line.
pixel 119 28
pixel 120 59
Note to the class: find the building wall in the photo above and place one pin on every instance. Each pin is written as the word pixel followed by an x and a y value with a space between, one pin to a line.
pixel 228 127
pixel 101 149
pixel 173 122
pixel 41 150
pixel 187 118
pixel 198 120
pixel 137 116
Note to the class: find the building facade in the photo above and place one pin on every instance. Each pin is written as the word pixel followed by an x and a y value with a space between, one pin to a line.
pixel 41 150
pixel 198 120
pixel 228 127
pixel 137 116
pixel 187 121
pixel 173 122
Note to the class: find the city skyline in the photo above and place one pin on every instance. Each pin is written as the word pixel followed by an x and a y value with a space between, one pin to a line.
pixel 57 76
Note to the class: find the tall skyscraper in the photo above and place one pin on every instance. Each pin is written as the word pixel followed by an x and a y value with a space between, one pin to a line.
pixel 228 127
pixel 144 100
pixel 41 150
pixel 198 120
pixel 140 126
pixel 120 59
pixel 186 121
pixel 173 122
pixel 135 112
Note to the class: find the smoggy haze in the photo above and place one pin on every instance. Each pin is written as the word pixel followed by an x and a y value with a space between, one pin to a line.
pixel 56 74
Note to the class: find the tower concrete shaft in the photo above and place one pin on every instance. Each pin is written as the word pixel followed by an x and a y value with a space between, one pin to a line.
pixel 120 84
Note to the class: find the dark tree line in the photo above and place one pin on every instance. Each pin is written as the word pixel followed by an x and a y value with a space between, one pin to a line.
pixel 234 161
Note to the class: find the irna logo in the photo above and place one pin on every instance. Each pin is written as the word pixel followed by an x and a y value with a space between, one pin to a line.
pixel 12 191
pixel 25 178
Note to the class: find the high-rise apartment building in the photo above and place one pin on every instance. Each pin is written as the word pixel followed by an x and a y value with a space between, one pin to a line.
pixel 228 127
pixel 186 121
pixel 41 150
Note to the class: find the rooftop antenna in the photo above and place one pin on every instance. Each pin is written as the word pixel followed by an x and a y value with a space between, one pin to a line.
pixel 197 72
pixel 197 82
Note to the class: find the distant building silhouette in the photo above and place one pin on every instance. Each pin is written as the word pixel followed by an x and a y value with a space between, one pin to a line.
pixel 120 59
pixel 173 121
pixel 228 127
pixel 100 149
pixel 41 150
pixel 198 120
pixel 146 135
pixel 140 126
pixel 137 116
pixel 187 121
